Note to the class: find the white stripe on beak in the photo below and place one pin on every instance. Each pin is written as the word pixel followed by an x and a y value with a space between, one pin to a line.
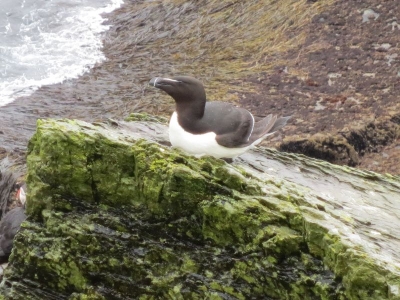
pixel 168 79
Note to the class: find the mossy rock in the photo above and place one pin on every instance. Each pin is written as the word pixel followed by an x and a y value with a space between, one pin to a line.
pixel 145 117
pixel 115 217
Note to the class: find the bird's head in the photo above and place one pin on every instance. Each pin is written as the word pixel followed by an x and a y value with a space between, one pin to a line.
pixel 181 88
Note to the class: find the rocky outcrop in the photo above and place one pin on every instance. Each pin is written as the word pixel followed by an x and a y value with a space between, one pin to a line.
pixel 346 148
pixel 115 216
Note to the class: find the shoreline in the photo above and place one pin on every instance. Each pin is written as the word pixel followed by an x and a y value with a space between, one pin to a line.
pixel 322 103
pixel 81 98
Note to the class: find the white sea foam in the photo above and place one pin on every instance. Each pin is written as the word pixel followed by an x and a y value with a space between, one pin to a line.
pixel 46 42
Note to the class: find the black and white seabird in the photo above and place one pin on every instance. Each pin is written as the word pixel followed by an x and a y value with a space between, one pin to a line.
pixel 11 223
pixel 213 128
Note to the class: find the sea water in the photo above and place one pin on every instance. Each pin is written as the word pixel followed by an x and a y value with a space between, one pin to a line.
pixel 48 41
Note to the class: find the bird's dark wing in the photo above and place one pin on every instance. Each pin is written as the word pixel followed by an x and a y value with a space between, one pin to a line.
pixel 231 124
pixel 235 126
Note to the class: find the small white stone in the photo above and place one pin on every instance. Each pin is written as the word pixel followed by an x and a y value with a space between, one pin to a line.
pixel 369 13
pixel 372 75
pixel 391 58
pixel 319 106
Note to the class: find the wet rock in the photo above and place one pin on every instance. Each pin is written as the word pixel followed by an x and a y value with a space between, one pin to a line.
pixel 115 215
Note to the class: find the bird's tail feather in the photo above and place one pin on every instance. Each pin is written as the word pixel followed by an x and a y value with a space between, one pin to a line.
pixel 263 126
pixel 280 123
pixel 266 127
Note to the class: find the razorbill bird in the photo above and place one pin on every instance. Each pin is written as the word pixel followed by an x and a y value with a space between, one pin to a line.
pixel 213 128
pixel 11 223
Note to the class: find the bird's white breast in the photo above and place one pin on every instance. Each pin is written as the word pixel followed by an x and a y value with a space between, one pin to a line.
pixel 199 144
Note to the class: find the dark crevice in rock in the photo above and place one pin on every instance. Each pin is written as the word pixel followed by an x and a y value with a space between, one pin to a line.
pixel 95 193
pixel 396 119
pixel 346 148
pixel 334 149
pixel 373 137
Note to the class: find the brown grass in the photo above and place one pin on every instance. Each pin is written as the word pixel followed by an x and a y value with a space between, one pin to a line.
pixel 220 42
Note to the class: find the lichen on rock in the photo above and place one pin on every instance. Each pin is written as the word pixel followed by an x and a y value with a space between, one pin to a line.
pixel 113 216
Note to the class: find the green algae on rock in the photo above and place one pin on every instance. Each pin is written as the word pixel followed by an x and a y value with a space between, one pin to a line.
pixel 115 216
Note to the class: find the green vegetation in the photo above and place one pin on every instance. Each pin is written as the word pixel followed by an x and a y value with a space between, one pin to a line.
pixel 113 217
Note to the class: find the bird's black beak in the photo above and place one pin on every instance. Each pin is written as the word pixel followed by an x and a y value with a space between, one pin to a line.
pixel 153 81
pixel 160 81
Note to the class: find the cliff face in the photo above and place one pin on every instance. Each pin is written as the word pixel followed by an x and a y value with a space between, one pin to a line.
pixel 115 216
